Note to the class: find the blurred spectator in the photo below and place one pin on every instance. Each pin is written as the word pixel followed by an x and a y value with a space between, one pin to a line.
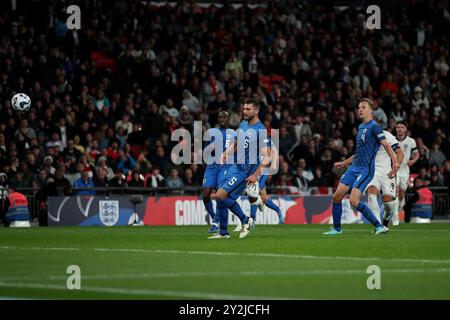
pixel 154 179
pixel 85 182
pixel 300 181
pixel 137 180
pixel 85 109
pixel 436 155
pixel 174 182
pixel 119 180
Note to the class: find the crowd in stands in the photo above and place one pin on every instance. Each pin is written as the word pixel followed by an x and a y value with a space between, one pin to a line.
pixel 106 98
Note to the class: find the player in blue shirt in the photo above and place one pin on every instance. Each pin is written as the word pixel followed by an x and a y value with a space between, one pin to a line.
pixel 214 170
pixel 360 173
pixel 245 171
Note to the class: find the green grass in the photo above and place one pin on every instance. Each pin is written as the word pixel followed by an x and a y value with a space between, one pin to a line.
pixel 287 262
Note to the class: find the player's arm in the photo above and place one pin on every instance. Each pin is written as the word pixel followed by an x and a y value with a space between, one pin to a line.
pixel 378 132
pixel 395 166
pixel 228 152
pixel 345 163
pixel 416 157
pixel 273 158
pixel 399 153
pixel 265 162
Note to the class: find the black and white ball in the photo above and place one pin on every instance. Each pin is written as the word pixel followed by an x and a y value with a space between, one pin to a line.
pixel 21 102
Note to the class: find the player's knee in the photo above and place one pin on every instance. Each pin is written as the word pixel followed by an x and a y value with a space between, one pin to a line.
pixel 354 202
pixel 206 195
pixel 221 194
pixel 265 198
pixel 337 197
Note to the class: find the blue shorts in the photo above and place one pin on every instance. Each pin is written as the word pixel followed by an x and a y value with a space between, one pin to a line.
pixel 357 178
pixel 212 176
pixel 234 182
pixel 262 181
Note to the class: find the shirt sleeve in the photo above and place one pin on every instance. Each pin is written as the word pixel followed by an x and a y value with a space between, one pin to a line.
pixel 378 132
pixel 413 145
pixel 393 142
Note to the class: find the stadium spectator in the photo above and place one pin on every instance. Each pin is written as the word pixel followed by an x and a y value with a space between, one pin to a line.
pixel 85 182
pixel 136 181
pixel 308 81
pixel 119 180
pixel 174 181
pixel 154 179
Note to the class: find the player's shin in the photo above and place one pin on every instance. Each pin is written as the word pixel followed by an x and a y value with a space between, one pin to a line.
pixel 209 208
pixel 372 203
pixel 222 217
pixel 396 208
pixel 337 214
pixel 270 204
pixel 253 210
pixel 368 214
pixel 389 208
pixel 235 208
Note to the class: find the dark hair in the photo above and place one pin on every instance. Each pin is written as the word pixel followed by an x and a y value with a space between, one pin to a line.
pixel 369 102
pixel 402 122
pixel 254 102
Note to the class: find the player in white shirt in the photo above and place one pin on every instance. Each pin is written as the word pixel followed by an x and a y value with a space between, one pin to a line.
pixel 409 148
pixel 384 180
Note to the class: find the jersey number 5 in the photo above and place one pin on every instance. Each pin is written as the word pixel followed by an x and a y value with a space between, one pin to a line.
pixel 232 181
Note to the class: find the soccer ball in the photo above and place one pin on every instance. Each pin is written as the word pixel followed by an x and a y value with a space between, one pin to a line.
pixel 21 102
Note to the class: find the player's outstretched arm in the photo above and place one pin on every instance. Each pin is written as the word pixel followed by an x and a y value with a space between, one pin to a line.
pixel 345 163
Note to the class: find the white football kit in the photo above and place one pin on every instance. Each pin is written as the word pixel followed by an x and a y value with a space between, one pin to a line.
pixel 408 146
pixel 383 166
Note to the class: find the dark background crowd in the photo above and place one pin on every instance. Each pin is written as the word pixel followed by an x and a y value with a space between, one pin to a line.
pixel 106 98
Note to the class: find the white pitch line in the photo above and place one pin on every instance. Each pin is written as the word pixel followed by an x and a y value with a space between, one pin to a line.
pixel 368 231
pixel 225 274
pixel 141 292
pixel 217 253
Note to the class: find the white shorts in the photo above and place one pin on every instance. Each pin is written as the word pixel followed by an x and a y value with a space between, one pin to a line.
pixel 384 184
pixel 402 182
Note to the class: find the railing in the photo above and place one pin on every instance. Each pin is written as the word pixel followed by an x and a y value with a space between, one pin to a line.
pixel 441 196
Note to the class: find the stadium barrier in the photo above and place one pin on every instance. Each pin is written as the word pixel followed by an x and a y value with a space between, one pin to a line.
pixel 167 206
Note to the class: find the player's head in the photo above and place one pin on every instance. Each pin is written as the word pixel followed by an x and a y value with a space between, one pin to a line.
pixel 251 109
pixel 223 119
pixel 365 109
pixel 401 128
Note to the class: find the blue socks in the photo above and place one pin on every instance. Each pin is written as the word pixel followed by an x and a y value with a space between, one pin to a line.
pixel 235 208
pixel 368 214
pixel 222 218
pixel 210 209
pixel 269 203
pixel 337 214
pixel 253 210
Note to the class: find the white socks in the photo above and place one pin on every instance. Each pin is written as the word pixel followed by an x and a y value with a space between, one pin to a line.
pixel 397 206
pixel 372 202
pixel 389 209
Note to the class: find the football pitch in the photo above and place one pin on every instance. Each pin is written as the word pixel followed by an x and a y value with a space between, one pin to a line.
pixel 273 262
